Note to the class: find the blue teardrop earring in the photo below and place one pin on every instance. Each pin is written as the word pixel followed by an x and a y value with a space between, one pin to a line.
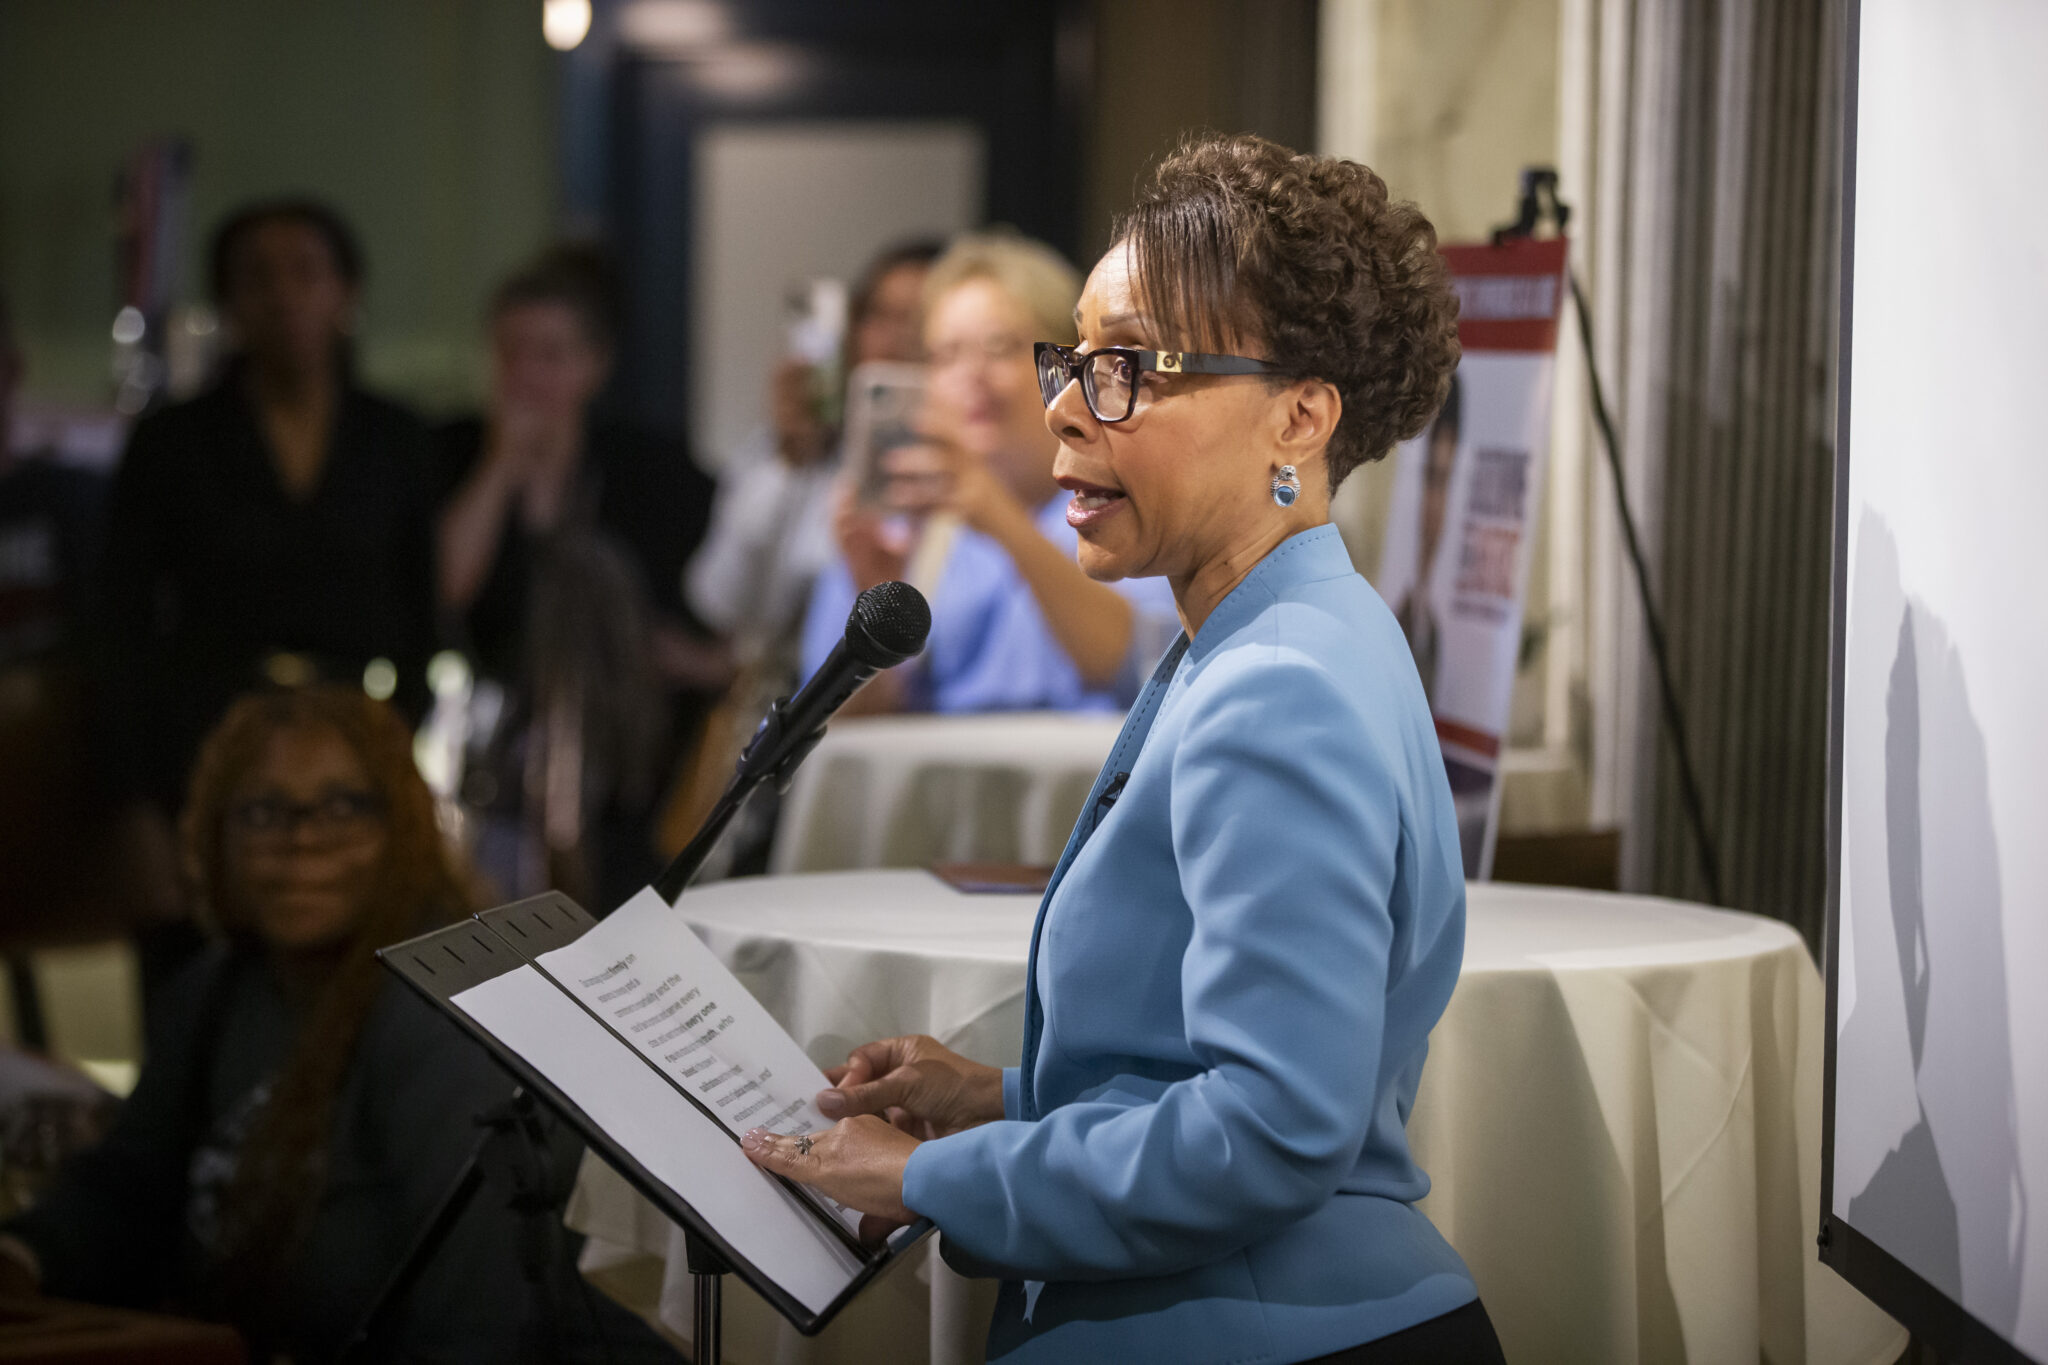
pixel 1286 486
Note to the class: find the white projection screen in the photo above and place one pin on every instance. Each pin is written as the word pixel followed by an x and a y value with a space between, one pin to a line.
pixel 1935 1175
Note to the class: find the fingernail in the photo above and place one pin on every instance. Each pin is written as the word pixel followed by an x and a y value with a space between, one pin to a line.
pixel 755 1139
pixel 832 1102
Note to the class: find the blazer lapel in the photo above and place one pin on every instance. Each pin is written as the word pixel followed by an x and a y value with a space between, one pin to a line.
pixel 1314 554
pixel 1114 772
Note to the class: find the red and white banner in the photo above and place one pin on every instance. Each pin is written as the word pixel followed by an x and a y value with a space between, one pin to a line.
pixel 1455 565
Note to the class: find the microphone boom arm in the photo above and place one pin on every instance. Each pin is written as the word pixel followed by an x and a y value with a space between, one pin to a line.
pixel 676 877
pixel 888 624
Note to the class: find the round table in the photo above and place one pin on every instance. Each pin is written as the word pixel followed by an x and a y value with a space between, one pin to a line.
pixel 1620 1114
pixel 910 791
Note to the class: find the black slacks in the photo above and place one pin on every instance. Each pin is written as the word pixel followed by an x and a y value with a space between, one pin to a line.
pixel 1463 1336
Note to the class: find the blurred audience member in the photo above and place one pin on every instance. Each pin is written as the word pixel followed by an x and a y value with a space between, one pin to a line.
pixel 301 1114
pixel 279 526
pixel 562 554
pixel 771 530
pixel 50 825
pixel 771 533
pixel 1016 625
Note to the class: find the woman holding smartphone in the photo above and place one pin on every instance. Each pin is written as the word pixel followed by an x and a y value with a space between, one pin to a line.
pixel 1016 625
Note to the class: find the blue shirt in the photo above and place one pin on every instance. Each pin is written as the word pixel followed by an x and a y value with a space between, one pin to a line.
pixel 1258 919
pixel 990 648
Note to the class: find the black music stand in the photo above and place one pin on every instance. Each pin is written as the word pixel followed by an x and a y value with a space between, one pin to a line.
pixel 519 1118
pixel 888 624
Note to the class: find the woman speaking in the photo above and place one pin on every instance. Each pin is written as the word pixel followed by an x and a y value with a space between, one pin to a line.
pixel 1260 914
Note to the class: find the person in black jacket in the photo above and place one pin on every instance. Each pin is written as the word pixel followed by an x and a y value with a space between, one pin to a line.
pixel 563 544
pixel 276 527
pixel 301 1114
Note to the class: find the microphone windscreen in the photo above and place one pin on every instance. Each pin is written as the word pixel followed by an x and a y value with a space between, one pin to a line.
pixel 888 624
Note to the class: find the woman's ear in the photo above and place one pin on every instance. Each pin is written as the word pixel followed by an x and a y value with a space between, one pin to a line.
pixel 1309 412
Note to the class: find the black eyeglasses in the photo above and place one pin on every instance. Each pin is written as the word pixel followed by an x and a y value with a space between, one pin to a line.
pixel 1109 374
pixel 337 812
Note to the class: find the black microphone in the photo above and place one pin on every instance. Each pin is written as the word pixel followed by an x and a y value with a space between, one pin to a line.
pixel 888 624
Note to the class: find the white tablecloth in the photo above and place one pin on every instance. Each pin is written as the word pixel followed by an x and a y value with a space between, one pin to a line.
pixel 1620 1114
pixel 910 791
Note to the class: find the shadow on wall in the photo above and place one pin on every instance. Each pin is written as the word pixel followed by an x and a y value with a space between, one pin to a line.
pixel 1926 1048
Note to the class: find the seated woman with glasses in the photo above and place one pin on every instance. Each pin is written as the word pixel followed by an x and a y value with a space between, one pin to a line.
pixel 301 1116
pixel 1203 1155
pixel 1016 625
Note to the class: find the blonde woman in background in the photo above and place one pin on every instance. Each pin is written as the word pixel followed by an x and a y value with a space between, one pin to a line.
pixel 976 513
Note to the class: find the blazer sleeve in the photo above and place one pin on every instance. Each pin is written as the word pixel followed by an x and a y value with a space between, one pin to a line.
pixel 1286 830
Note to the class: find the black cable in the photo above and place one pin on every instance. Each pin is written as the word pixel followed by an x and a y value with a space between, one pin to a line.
pixel 1653 624
pixel 1539 182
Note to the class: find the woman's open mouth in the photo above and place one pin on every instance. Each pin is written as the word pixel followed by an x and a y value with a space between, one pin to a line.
pixel 1091 504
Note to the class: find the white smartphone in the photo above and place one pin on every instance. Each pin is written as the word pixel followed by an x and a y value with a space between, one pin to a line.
pixel 815 335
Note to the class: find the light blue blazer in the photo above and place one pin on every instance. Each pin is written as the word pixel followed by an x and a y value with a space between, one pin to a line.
pixel 1258 919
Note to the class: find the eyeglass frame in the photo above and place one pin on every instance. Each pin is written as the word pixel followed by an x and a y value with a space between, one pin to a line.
pixel 335 812
pixel 1074 362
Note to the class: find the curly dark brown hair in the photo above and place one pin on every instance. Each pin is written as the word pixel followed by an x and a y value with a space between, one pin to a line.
pixel 1239 242
pixel 280 1178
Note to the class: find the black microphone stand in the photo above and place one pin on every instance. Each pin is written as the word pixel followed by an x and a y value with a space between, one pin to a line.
pixel 519 1117
pixel 515 1127
pixel 707 1268
pixel 676 877
pixel 888 624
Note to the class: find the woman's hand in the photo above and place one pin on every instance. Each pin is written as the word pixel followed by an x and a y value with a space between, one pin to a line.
pixel 688 661
pixel 873 554
pixel 935 475
pixel 513 443
pixel 917 1083
pixel 857 1161
pixel 801 439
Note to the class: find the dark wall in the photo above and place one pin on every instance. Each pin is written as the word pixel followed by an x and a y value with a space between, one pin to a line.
pixel 1018 73
pixel 1075 98
pixel 1163 67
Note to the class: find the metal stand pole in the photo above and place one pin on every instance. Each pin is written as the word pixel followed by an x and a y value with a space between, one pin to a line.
pixel 30 1029
pixel 707 1283
pixel 518 1115
pixel 675 878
